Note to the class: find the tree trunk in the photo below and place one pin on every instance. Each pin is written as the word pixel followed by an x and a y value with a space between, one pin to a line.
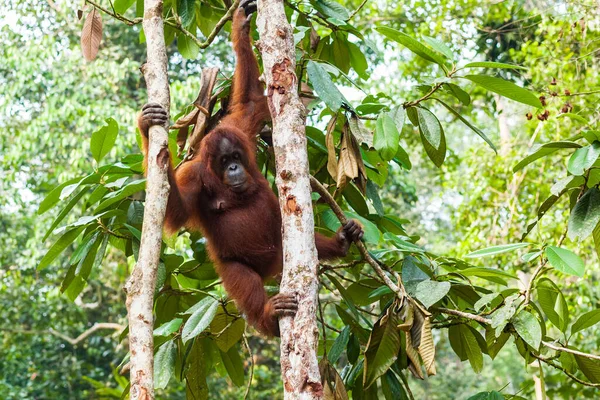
pixel 299 336
pixel 141 284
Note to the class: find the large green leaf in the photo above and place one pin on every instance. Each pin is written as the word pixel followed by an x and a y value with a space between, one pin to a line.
pixel 122 5
pixel 585 216
pixel 331 9
pixel 413 45
pixel 528 328
pixel 430 292
pixel 234 366
pixel 432 136
pixel 187 47
pixel 439 46
pixel 583 159
pixel 493 250
pixel 490 64
pixel 470 125
pixel 200 319
pixel 129 189
pixel 187 11
pixel 386 137
pixel 63 213
pixel 590 368
pixel 324 86
pixel 506 89
pixel 565 261
pixel 493 395
pixel 382 348
pixel 588 319
pixel 168 328
pixel 553 303
pixel 104 139
pixel 54 196
pixel 464 344
pixel 164 364
pixel 197 368
pixel 66 239
pixel 544 150
pixel 339 345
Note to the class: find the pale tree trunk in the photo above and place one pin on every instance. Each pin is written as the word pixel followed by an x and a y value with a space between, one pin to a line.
pixel 141 284
pixel 505 137
pixel 299 336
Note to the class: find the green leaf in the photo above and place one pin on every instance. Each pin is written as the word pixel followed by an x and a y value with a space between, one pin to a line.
pixel 430 292
pixel 121 6
pixel 63 213
pixel 104 139
pixel 187 47
pixel 127 190
pixel 200 319
pixel 234 365
pixel 187 11
pixel 588 319
pixel 493 250
pixel 585 216
pixel 464 344
pixel 589 368
pixel 493 395
pixel 489 64
pixel 195 373
pixel 358 60
pixel 339 345
pixel 528 328
pixel 457 92
pixel 506 89
pixel 382 348
pixel 574 117
pixel 483 272
pixel 432 136
pixel 439 46
pixel 386 137
pixel 470 125
pixel 565 261
pixel 553 303
pixel 324 86
pixel 413 45
pixel 59 246
pixel 544 150
pixel 54 196
pixel 583 159
pixel 392 388
pixel 164 364
pixel 331 9
pixel 168 328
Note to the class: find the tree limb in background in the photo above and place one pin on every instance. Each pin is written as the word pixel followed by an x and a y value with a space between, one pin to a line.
pixel 141 284
pixel 299 337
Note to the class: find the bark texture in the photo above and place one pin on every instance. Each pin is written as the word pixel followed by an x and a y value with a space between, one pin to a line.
pixel 141 284
pixel 299 336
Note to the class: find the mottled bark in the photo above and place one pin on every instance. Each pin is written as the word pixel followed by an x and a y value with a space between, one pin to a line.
pixel 141 284
pixel 299 336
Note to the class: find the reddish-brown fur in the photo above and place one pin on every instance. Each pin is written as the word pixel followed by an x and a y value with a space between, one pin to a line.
pixel 243 229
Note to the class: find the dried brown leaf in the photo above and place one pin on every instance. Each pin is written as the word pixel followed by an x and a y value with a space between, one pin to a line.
pixel 427 348
pixel 186 120
pixel 91 35
pixel 348 163
pixel 413 359
pixel 332 167
pixel 360 131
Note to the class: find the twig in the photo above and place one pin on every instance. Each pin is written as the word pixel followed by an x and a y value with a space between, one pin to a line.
pixel 177 24
pixel 398 289
pixel 251 366
pixel 570 351
pixel 462 314
pixel 564 370
pixel 121 18
pixel 357 10
pixel 73 341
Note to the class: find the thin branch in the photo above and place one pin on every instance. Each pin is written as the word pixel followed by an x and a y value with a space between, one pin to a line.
pixel 396 288
pixel 564 370
pixel 463 314
pixel 73 341
pixel 115 15
pixel 570 351
pixel 357 10
pixel 251 366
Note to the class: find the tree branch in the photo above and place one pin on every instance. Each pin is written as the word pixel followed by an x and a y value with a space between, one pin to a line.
pixel 299 335
pixel 140 287
pixel 73 341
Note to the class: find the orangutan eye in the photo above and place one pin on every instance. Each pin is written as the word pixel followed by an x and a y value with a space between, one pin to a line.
pixel 223 160
pixel 236 156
